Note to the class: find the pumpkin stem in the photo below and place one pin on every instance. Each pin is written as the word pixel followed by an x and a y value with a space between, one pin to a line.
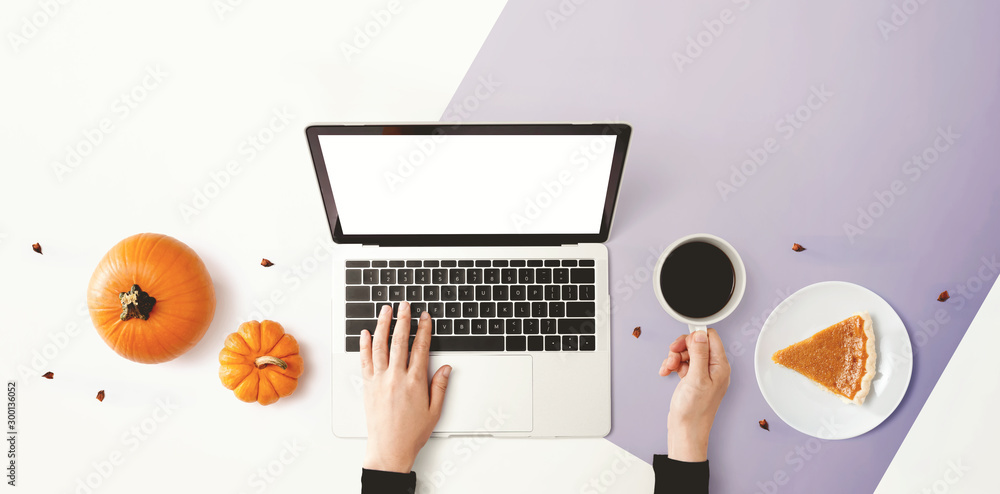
pixel 136 303
pixel 262 362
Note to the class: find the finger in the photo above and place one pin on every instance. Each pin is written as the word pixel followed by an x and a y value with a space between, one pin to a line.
pixel 400 338
pixel 668 366
pixel 680 344
pixel 366 354
pixel 439 384
pixel 718 359
pixel 421 346
pixel 380 343
pixel 698 350
pixel 685 356
pixel 683 370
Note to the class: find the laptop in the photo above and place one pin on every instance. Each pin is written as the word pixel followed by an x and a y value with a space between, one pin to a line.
pixel 497 231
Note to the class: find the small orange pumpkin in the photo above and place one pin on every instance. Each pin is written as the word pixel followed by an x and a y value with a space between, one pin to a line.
pixel 151 298
pixel 260 362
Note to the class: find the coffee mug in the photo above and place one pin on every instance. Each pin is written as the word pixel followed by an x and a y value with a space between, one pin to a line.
pixel 696 280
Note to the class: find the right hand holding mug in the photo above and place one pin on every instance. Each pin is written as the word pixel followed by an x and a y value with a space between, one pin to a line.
pixel 700 360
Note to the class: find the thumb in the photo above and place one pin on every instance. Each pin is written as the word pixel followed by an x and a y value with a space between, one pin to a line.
pixel 698 352
pixel 439 383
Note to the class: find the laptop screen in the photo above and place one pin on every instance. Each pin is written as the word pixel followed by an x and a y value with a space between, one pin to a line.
pixel 437 183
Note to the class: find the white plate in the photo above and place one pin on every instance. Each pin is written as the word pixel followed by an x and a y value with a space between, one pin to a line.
pixel 803 404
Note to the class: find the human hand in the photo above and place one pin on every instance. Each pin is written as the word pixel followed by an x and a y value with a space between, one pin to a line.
pixel 401 411
pixel 700 360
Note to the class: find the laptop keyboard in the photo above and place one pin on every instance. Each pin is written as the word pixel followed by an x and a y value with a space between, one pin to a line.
pixel 514 305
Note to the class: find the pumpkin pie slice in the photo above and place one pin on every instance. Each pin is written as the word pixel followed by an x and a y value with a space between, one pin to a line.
pixel 840 358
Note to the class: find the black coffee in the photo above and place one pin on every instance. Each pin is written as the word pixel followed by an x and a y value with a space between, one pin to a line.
pixel 697 279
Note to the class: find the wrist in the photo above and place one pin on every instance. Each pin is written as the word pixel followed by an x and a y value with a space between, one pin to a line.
pixel 375 461
pixel 687 440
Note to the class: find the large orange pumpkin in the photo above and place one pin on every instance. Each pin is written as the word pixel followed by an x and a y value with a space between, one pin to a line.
pixel 260 362
pixel 151 298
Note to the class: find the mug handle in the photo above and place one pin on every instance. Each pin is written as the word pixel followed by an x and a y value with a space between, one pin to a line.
pixel 697 327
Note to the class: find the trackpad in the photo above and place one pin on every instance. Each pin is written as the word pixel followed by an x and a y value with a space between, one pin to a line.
pixel 485 394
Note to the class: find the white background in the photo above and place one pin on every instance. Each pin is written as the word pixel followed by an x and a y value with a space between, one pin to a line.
pixel 224 81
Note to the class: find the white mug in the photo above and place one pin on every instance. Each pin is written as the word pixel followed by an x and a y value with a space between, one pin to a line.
pixel 739 281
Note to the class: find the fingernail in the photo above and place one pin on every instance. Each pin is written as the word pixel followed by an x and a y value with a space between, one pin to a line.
pixel 385 310
pixel 404 304
pixel 700 336
pixel 671 357
pixel 446 372
pixel 425 315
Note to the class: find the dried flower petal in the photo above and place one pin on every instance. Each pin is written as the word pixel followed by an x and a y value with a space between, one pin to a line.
pixel 36 247
pixel 266 263
pixel 100 395
pixel 763 425
pixel 48 375
pixel 798 248
pixel 944 296
pixel 637 331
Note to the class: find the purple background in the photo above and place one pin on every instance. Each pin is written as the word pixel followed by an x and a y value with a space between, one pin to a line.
pixel 939 69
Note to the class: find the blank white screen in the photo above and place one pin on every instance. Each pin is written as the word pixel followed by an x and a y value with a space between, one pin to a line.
pixel 469 184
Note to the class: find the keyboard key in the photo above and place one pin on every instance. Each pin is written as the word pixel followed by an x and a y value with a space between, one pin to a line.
pixel 508 276
pixel 580 309
pixel 576 326
pixel 449 292
pixel 569 262
pixel 422 276
pixel 467 343
pixel 516 344
pixel 479 326
pixel 370 276
pixel 517 263
pixel 513 326
pixel 462 326
pixel 378 308
pixel 358 264
pixel 552 292
pixel 397 293
pixel 435 309
pixel 440 276
pixel 358 293
pixel 500 292
pixel 482 263
pixel 587 292
pixel 353 276
pixel 483 292
pixel 582 275
pixel 552 263
pixel 496 326
pixel 465 292
pixel 354 326
pixel 539 309
pixel 442 326
pixel 569 292
pixel 380 264
pixel 474 275
pixel 522 309
pixel 416 309
pixel 397 264
pixel 453 309
pixel 432 264
pixel 405 276
pixel 470 309
pixel 526 276
pixel 504 309
pixel 487 309
pixel 491 276
pixel 466 263
pixel 449 264
pixel 535 344
pixel 518 292
pixel 413 264
pixel 569 343
pixel 587 262
pixel 552 344
pixel 431 293
pixel 530 326
pixel 535 292
pixel 457 276
pixel 353 344
pixel 414 293
pixel 557 309
pixel 587 342
pixel 535 262
pixel 380 293
pixel 360 310
pixel 548 326
pixel 543 275
pixel 500 264
pixel 560 275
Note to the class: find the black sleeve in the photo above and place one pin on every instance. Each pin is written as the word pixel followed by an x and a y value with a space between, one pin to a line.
pixel 679 477
pixel 379 482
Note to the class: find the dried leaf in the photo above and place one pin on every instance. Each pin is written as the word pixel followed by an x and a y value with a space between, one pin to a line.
pixel 48 375
pixel 798 248
pixel 763 425
pixel 100 395
pixel 637 331
pixel 944 296
pixel 266 263
pixel 36 247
